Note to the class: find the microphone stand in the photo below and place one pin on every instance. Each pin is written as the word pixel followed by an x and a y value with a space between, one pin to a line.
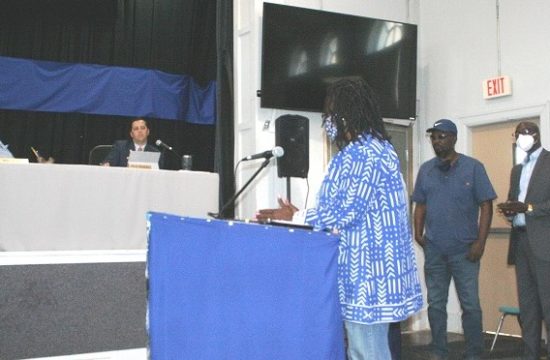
pixel 175 153
pixel 229 202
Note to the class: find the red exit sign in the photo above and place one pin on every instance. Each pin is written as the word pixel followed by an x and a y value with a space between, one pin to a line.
pixel 497 87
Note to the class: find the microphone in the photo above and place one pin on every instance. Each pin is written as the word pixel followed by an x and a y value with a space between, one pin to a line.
pixel 277 151
pixel 161 144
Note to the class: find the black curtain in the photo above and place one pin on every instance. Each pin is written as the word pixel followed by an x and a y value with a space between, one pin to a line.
pixel 224 128
pixel 175 36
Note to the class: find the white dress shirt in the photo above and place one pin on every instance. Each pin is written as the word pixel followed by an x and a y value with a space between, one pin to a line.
pixel 526 172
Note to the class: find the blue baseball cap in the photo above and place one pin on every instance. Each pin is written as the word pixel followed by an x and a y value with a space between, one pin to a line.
pixel 444 125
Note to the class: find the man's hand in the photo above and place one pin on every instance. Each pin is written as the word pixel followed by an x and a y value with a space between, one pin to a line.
pixel 476 251
pixel 511 208
pixel 419 218
pixel 42 160
pixel 420 240
pixel 284 212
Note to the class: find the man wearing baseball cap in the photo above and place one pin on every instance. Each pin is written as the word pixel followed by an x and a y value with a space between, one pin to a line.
pixel 453 211
pixel 443 125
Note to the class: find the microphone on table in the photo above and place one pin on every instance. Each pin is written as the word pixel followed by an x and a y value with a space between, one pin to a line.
pixel 164 145
pixel 277 152
pixel 185 165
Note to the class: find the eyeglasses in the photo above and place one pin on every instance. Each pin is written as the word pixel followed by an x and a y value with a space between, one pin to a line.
pixel 434 137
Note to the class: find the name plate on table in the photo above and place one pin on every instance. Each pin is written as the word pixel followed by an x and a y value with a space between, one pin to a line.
pixel 143 159
pixel 13 161
pixel 142 165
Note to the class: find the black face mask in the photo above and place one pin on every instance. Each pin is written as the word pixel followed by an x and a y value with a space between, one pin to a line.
pixel 444 165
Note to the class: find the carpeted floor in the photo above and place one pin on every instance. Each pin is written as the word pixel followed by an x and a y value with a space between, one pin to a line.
pixel 415 346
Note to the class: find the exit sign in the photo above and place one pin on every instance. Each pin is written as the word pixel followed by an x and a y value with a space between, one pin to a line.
pixel 497 87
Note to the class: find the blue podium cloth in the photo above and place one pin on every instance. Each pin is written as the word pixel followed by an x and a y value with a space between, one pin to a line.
pixel 231 290
pixel 104 90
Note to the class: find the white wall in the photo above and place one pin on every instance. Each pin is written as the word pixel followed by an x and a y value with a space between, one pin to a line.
pixel 457 50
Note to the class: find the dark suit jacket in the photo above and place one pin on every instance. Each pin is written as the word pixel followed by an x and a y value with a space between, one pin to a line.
pixel 118 156
pixel 538 194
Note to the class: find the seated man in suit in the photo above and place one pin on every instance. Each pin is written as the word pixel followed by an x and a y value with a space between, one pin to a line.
pixel 139 132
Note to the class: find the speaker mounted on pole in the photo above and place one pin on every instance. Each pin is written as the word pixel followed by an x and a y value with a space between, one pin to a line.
pixel 292 134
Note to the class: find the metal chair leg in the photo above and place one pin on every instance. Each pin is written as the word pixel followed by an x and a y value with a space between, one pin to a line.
pixel 498 331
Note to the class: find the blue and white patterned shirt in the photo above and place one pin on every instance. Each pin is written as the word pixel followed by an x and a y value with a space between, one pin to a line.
pixel 363 197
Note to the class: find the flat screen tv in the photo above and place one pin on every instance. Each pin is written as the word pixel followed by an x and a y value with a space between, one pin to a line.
pixel 304 50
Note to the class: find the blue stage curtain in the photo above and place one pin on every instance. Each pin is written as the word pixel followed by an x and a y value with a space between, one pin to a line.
pixel 231 290
pixel 104 90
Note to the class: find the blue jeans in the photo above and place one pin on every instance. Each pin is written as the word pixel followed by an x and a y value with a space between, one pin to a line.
pixel 439 269
pixel 367 342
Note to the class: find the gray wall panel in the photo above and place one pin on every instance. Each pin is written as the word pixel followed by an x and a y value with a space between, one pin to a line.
pixel 60 309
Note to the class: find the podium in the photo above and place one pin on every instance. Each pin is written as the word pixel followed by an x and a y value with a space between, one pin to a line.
pixel 233 290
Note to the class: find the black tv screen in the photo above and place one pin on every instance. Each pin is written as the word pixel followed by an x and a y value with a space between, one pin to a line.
pixel 304 50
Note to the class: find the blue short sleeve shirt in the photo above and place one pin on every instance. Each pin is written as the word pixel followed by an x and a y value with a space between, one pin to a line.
pixel 452 200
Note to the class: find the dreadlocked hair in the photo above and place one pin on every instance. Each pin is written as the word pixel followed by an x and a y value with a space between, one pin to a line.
pixel 353 107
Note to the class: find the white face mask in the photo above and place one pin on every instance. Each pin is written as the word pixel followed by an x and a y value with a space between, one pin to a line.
pixel 525 142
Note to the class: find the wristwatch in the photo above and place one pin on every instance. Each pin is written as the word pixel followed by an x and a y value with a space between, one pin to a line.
pixel 529 208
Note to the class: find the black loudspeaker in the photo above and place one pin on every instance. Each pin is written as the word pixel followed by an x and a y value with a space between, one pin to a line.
pixel 292 134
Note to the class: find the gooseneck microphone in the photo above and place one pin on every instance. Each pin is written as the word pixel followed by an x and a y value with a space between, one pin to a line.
pixel 161 144
pixel 277 151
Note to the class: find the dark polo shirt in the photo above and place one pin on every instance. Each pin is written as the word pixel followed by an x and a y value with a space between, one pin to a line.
pixel 452 200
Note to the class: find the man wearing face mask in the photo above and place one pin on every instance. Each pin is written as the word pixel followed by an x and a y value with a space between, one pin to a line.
pixel 528 208
pixel 454 205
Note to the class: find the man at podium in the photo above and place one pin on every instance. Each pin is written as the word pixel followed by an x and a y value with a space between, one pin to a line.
pixel 363 199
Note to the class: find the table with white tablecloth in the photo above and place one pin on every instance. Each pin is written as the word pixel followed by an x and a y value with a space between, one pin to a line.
pixel 81 207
